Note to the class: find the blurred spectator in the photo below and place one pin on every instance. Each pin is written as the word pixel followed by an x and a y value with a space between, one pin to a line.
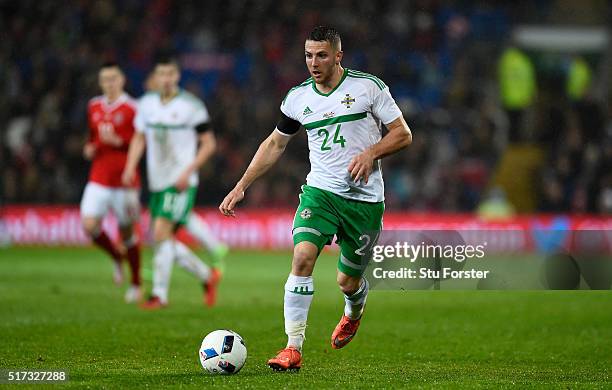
pixel 495 205
pixel 517 86
pixel 578 79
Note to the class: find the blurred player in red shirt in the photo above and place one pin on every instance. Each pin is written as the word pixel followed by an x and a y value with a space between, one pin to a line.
pixel 110 119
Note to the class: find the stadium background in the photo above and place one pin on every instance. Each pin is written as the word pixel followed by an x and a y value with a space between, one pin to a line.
pixel 441 60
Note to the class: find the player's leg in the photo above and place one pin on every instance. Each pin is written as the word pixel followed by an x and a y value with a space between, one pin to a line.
pixel 182 210
pixel 161 206
pixel 130 241
pixel 361 223
pixel 172 209
pixel 94 206
pixel 126 207
pixel 355 290
pixel 313 227
pixel 200 230
pixel 299 290
pixel 193 264
pixel 163 257
pixel 93 228
pixel 354 287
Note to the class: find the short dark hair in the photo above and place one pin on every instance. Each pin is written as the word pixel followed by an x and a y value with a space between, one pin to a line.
pixel 165 57
pixel 110 64
pixel 325 33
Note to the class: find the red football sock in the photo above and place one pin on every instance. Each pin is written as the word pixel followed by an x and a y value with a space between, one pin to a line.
pixel 133 257
pixel 104 242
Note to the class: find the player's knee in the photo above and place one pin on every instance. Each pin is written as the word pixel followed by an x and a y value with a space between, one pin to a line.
pixel 160 235
pixel 91 226
pixel 162 230
pixel 303 262
pixel 348 284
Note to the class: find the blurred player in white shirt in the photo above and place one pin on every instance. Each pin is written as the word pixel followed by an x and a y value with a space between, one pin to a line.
pixel 174 126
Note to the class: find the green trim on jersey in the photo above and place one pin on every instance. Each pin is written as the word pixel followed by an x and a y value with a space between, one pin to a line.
pixel 358 72
pixel 314 86
pixel 163 126
pixel 368 75
pixel 303 84
pixel 338 119
pixel 361 75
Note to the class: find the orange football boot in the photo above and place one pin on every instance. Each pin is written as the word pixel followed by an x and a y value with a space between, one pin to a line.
pixel 287 359
pixel 344 332
pixel 153 303
pixel 210 287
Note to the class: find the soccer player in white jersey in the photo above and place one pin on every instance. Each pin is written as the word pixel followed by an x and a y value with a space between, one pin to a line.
pixel 342 112
pixel 170 124
pixel 196 225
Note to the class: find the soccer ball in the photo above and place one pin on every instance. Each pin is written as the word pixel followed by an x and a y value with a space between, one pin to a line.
pixel 223 352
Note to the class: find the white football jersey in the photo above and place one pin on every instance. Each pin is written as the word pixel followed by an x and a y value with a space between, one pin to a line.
pixel 172 140
pixel 340 125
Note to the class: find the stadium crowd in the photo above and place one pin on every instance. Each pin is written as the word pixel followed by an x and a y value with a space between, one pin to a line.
pixel 440 59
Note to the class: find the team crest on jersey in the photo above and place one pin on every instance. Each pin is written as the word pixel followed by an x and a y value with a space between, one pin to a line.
pixel 118 119
pixel 348 100
pixel 306 213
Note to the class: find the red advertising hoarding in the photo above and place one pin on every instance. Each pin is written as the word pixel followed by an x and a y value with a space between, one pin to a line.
pixel 271 229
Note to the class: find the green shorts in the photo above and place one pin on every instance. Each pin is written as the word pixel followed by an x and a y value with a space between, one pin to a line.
pixel 172 205
pixel 323 214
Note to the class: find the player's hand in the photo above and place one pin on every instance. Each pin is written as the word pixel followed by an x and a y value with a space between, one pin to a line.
pixel 127 178
pixel 89 151
pixel 230 201
pixel 361 166
pixel 183 181
pixel 110 138
pixel 107 135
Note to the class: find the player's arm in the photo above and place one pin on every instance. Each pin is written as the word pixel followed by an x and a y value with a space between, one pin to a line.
pixel 397 138
pixel 90 147
pixel 135 152
pixel 267 154
pixel 208 145
pixel 89 150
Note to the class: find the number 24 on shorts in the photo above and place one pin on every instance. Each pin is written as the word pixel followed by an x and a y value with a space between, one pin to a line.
pixel 338 139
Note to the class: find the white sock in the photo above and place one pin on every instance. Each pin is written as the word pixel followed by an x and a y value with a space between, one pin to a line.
pixel 199 229
pixel 353 304
pixel 162 263
pixel 189 261
pixel 299 291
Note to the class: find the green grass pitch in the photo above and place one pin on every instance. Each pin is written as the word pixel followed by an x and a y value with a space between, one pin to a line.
pixel 59 310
